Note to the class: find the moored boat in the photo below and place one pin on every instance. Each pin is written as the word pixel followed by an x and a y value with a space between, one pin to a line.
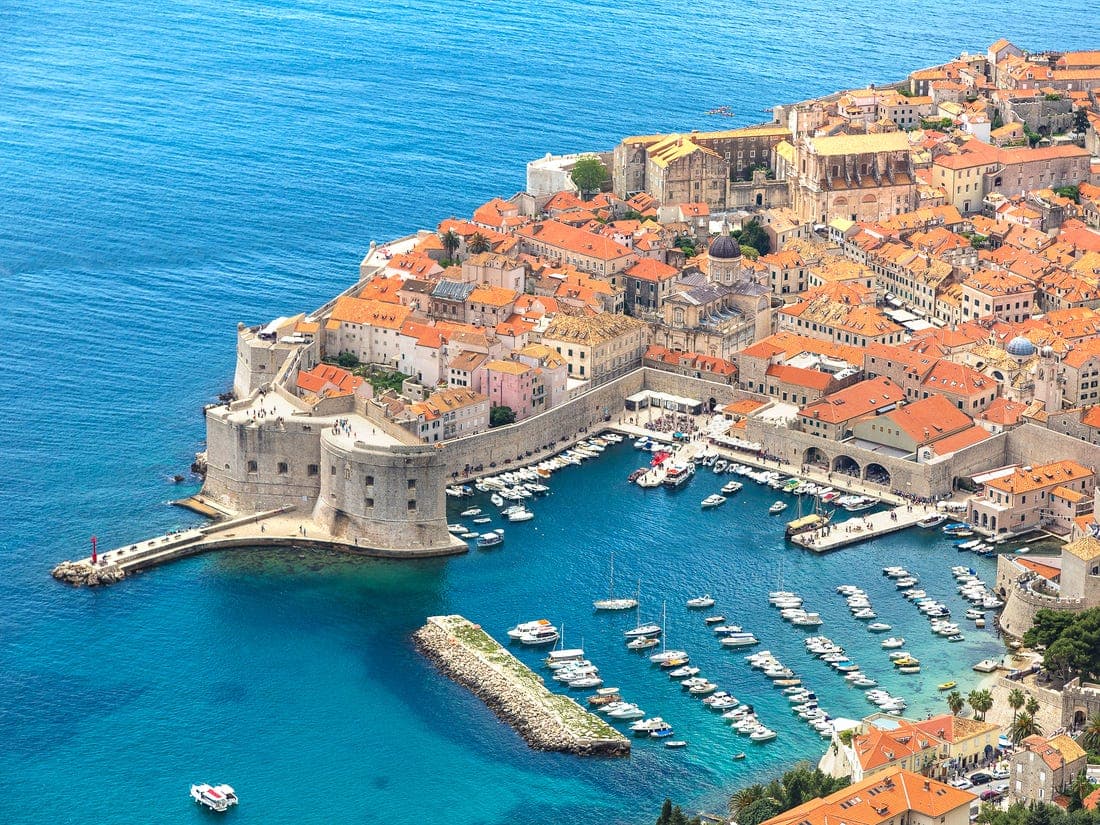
pixel 215 797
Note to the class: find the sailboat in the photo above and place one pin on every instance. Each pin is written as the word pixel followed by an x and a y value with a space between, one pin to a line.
pixel 611 603
pixel 666 657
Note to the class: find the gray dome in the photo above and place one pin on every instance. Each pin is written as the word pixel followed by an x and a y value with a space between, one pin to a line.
pixel 1020 347
pixel 724 247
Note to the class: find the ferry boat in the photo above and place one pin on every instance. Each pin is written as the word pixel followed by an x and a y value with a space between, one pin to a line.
pixel 806 524
pixel 934 520
pixel 544 636
pixel 215 797
pixel 678 474
pixel 530 627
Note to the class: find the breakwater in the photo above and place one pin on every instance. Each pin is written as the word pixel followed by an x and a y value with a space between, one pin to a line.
pixel 547 721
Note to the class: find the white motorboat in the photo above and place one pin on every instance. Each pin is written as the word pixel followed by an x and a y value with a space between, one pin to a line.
pixel 492 538
pixel 731 487
pixel 472 511
pixel 878 627
pixel 482 520
pixel 668 656
pixel 519 514
pixel 778 507
pixel 559 659
pixel 703 689
pixel 864 682
pixel 701 601
pixel 643 643
pixel 762 734
pixel 934 520
pixel 457 529
pixel 712 501
pixel 545 636
pixel 738 640
pixel 893 642
pixel 497 500
pixel 530 627
pixel 215 797
pixel 586 682
pixel 628 711
pixel 727 629
pixel 714 620
pixel 648 725
pixel 683 672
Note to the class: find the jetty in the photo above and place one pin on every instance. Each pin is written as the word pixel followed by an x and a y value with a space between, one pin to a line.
pixel 856 530
pixel 281 527
pixel 546 720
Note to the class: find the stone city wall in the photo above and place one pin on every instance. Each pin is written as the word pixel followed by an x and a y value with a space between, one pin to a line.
pixel 1032 444
pixel 1022 603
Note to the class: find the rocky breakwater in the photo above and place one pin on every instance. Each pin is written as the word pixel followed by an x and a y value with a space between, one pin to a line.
pixel 546 720
pixel 84 573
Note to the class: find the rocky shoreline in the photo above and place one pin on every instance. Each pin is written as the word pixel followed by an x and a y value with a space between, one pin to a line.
pixel 83 574
pixel 547 721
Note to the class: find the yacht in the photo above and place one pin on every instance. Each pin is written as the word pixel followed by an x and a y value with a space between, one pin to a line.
pixel 648 725
pixel 627 711
pixel 684 672
pixel 878 627
pixel 778 507
pixel 643 643
pixel 713 500
pixel 215 797
pixel 521 513
pixel 559 659
pixel 530 627
pixel 678 474
pixel 934 520
pixel 762 734
pixel 544 636
pixel 457 529
pixel 643 630
pixel 701 601
pixel 893 642
pixel 731 487
pixel 669 656
pixel 738 640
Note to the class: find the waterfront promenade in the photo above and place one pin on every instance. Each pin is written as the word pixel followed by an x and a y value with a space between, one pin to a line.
pixel 856 530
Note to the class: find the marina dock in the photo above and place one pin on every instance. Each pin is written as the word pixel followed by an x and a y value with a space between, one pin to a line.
pixel 856 530
pixel 516 694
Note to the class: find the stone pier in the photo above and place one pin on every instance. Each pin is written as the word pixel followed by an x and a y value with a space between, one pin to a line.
pixel 547 721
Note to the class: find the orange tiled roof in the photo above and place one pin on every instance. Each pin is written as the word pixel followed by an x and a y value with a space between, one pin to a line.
pixel 929 418
pixel 369 313
pixel 855 401
pixel 800 377
pixel 1044 475
pixel 649 269
pixel 494 296
pixel 571 239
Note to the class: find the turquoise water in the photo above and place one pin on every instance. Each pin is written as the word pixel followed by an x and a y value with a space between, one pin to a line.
pixel 169 169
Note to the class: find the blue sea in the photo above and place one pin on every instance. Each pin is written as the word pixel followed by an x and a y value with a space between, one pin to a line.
pixel 169 169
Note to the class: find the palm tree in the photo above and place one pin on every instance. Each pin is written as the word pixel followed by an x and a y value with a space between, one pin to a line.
pixel 1023 727
pixel 1016 701
pixel 450 242
pixel 955 702
pixel 1032 705
pixel 478 244
pixel 1090 736
pixel 981 701
pixel 746 796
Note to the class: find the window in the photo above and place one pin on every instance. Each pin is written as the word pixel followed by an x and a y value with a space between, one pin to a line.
pixel 369 502
pixel 252 467
pixel 312 469
pixel 369 481
pixel 282 468
pixel 412 505
pixel 412 483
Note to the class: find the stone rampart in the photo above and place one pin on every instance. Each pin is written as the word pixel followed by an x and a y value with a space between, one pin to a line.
pixel 1022 603
pixel 1032 444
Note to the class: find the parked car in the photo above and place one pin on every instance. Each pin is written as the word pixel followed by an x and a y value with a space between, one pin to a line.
pixel 1000 787
pixel 991 795
pixel 999 773
pixel 962 783
pixel 980 778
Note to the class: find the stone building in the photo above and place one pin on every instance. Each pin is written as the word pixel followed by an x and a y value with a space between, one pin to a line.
pixel 1042 769
pixel 719 313
pixel 1023 499
pixel 861 177
pixel 653 163
pixel 598 347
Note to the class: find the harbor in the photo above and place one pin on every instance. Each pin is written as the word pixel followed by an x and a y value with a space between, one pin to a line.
pixel 856 530
pixel 546 720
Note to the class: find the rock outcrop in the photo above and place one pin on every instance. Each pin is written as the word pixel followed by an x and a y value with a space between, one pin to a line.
pixel 546 720
pixel 81 573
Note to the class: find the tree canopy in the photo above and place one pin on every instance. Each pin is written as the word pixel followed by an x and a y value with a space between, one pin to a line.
pixel 499 416
pixel 1037 814
pixel 753 234
pixel 1072 641
pixel 755 803
pixel 589 174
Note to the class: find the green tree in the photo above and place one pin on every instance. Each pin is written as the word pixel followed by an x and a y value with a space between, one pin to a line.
pixel 753 234
pixel 451 242
pixel 347 360
pixel 744 797
pixel 1080 121
pixel 1032 705
pixel 750 252
pixel 499 416
pixel 1079 788
pixel 1047 627
pixel 1016 701
pixel 759 811
pixel 666 813
pixel 1023 726
pixel 981 701
pixel 997 121
pixel 1071 192
pixel 589 175
pixel 478 244
pixel 955 702
pixel 1090 736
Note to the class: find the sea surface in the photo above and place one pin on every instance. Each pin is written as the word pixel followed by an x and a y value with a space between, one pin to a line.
pixel 168 169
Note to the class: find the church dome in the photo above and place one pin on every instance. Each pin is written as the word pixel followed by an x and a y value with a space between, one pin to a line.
pixel 725 248
pixel 1021 347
